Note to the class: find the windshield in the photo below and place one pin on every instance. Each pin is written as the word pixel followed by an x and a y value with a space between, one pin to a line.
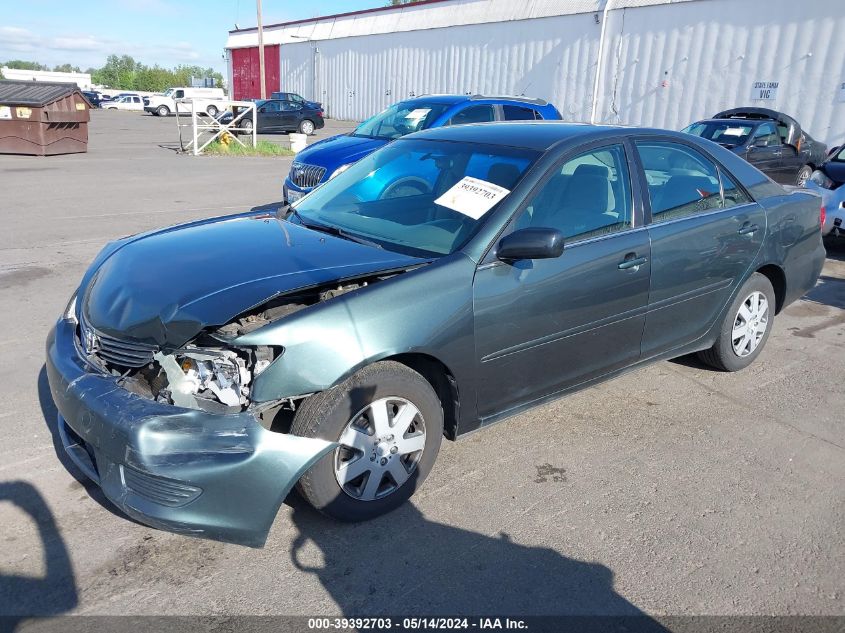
pixel 839 156
pixel 169 92
pixel 726 133
pixel 401 119
pixel 417 197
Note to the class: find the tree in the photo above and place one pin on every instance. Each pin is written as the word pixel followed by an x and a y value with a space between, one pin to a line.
pixel 66 68
pixel 124 73
pixel 21 64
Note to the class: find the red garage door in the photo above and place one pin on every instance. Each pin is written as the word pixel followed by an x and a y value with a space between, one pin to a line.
pixel 245 72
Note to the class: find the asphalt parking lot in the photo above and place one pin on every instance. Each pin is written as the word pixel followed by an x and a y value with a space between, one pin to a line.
pixel 672 490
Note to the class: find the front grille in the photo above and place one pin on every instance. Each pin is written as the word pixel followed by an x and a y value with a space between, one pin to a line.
pixel 166 492
pixel 306 176
pixel 113 350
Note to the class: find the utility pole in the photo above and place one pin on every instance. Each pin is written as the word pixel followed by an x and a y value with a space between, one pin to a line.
pixel 261 50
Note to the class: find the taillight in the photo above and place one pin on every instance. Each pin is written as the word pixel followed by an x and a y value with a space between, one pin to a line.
pixel 822 216
pixel 320 113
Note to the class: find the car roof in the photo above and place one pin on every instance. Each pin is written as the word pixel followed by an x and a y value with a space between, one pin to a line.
pixel 536 135
pixel 738 120
pixel 452 99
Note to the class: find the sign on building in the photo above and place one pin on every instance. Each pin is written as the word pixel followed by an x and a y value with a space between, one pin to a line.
pixel 202 82
pixel 764 90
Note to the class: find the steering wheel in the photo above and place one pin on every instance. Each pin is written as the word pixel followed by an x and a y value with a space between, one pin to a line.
pixel 407 186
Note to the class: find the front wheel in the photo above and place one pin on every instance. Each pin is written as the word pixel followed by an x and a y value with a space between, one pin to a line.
pixel 211 111
pixel 388 422
pixel 746 327
pixel 162 110
pixel 246 126
pixel 803 175
pixel 306 127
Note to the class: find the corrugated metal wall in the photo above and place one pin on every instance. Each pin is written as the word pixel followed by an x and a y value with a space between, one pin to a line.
pixel 358 76
pixel 663 65
pixel 710 53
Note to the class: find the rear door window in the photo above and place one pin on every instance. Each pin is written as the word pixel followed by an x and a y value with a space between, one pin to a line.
pixel 474 114
pixel 681 181
pixel 767 135
pixel 519 113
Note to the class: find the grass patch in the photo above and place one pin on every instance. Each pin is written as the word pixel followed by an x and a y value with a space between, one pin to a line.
pixel 262 148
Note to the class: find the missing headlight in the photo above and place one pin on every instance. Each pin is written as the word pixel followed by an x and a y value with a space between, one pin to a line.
pixel 208 378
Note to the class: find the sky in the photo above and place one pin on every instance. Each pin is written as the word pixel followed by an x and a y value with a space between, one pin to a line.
pixel 165 32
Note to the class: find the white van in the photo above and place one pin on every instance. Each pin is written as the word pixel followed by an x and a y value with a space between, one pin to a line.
pixel 164 104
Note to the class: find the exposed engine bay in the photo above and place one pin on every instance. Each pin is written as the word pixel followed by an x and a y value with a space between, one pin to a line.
pixel 209 373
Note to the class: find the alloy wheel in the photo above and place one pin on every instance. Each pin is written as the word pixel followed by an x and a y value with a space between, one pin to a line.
pixel 380 448
pixel 804 176
pixel 750 324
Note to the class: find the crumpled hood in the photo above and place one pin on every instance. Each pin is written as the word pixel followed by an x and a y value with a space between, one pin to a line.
pixel 165 287
pixel 333 152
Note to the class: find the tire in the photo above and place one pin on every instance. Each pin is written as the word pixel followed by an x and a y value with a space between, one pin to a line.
pixel 306 126
pixel 246 124
pixel 211 111
pixel 732 353
pixel 162 110
pixel 345 411
pixel 803 175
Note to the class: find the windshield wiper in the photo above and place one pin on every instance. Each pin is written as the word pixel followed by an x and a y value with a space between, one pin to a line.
pixel 336 231
pixel 284 211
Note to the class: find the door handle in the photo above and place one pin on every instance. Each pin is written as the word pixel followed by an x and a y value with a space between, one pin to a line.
pixel 748 229
pixel 632 261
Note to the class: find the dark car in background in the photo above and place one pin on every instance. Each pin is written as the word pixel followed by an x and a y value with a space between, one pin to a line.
pixel 323 160
pixel 292 96
pixel 445 282
pixel 829 182
pixel 92 97
pixel 275 115
pixel 831 173
pixel 771 141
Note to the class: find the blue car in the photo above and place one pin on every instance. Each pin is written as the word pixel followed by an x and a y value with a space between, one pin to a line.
pixel 324 160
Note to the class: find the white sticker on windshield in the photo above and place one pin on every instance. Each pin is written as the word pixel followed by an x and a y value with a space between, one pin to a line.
pixel 472 197
pixel 734 131
pixel 419 113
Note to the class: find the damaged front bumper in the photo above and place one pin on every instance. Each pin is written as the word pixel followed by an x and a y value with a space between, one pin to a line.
pixel 218 476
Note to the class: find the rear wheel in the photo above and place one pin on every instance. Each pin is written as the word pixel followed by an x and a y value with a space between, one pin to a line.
pixel 746 327
pixel 803 175
pixel 306 127
pixel 162 110
pixel 388 421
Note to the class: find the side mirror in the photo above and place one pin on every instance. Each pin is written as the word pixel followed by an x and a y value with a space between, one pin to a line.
pixel 761 142
pixel 534 243
pixel 262 109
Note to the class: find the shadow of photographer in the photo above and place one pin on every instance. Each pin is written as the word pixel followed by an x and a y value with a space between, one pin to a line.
pixel 54 593
pixel 403 564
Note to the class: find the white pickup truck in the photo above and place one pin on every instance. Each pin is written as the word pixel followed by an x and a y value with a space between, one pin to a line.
pixel 203 99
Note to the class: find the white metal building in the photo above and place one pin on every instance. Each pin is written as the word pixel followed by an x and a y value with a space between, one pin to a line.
pixel 83 80
pixel 659 63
